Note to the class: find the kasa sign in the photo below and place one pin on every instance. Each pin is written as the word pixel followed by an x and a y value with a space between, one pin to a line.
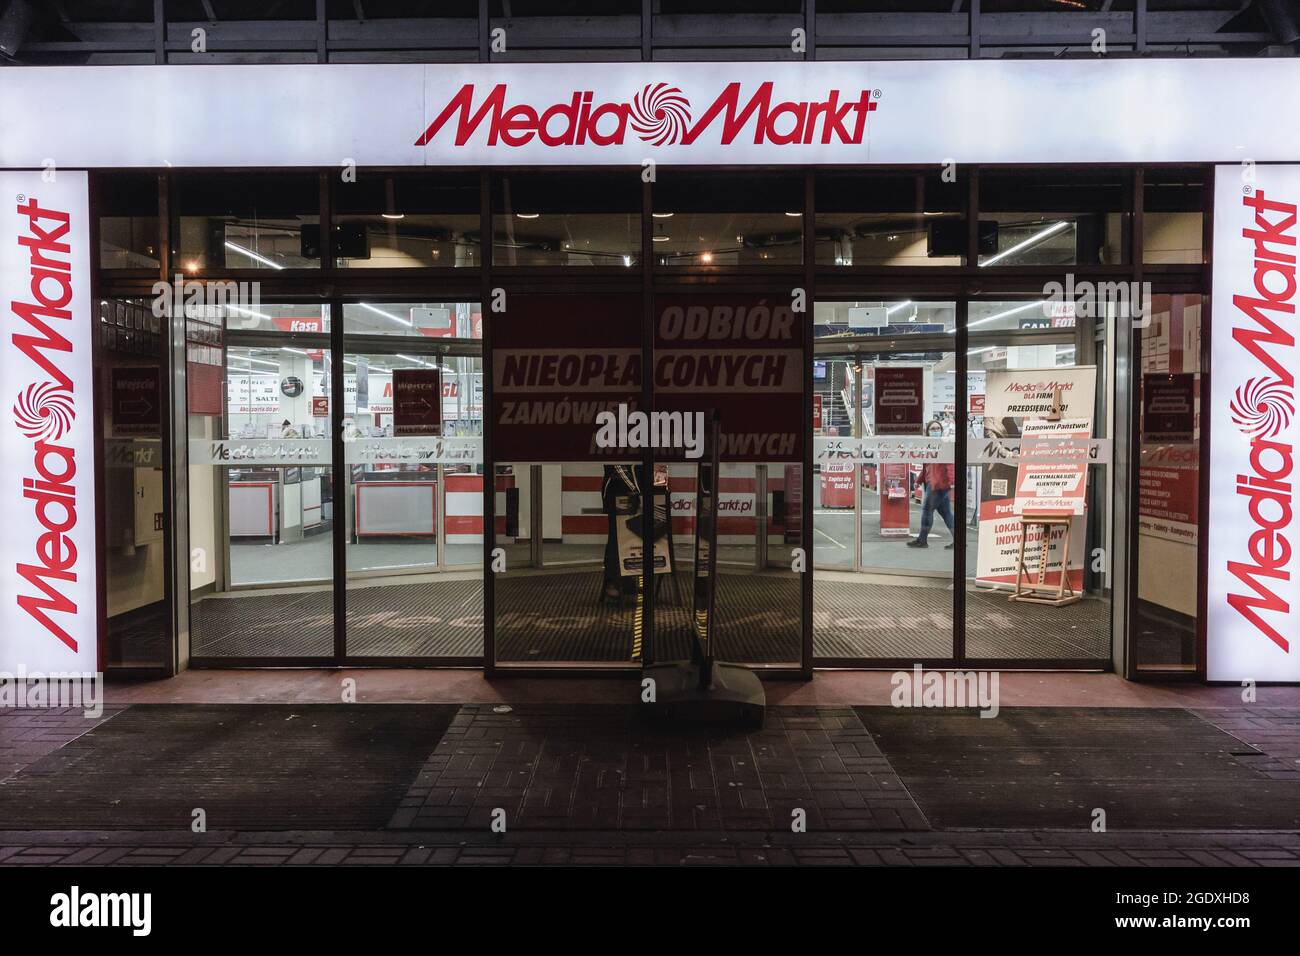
pixel 47 467
pixel 1253 622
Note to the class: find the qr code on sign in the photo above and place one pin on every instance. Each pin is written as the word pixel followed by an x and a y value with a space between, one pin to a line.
pixel 998 487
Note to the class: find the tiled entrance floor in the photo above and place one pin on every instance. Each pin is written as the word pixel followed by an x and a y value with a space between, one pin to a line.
pixel 607 767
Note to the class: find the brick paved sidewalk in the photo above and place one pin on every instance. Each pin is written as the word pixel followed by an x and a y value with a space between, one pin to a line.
pixel 984 848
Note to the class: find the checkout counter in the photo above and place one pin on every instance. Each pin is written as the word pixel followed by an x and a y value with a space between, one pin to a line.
pixel 281 504
pixel 397 502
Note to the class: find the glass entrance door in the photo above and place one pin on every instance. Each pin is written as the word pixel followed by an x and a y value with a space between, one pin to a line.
pixel 884 482
pixel 410 502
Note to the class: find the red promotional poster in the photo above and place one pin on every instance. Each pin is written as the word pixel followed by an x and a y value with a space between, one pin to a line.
pixel 417 401
pixel 743 356
pixel 836 479
pixel 137 400
pixel 320 406
pixel 1168 492
pixel 558 361
pixel 899 401
pixel 899 408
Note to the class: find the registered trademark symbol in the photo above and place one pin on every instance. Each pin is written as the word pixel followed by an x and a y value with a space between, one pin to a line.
pixel 22 198
pixel 875 94
pixel 1247 190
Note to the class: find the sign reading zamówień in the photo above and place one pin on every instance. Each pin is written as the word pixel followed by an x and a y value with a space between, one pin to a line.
pixel 740 355
pixel 1253 581
pixel 417 401
pixel 739 113
pixel 557 362
pixel 47 467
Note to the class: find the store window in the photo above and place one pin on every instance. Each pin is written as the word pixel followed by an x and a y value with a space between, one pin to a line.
pixel 885 393
pixel 227 221
pixel 1165 617
pixel 881 319
pixel 566 219
pixel 713 219
pixel 1063 217
pixel 131 385
pixel 261 493
pixel 901 220
pixel 425 320
pixel 1173 216
pixel 128 220
pixel 407 221
pixel 1037 487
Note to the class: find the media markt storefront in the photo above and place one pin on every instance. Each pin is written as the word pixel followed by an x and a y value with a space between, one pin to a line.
pixel 309 365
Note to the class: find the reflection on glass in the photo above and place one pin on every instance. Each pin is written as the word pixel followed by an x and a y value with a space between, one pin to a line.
pixel 402 221
pixel 868 220
pixel 413 511
pixel 1165 618
pixel 563 219
pixel 884 437
pixel 576 599
pixel 245 221
pixel 128 220
pixel 261 506
pixel 1019 389
pixel 1058 218
pixel 426 320
pixel 706 220
pixel 1173 216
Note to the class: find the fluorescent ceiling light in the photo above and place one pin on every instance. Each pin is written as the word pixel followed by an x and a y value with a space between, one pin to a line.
pixel 894 308
pixel 1003 315
pixel 388 315
pixel 238 310
pixel 253 255
pixel 1032 240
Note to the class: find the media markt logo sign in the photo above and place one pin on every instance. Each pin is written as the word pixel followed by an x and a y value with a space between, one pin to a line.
pixel 1263 408
pixel 658 115
pixel 44 413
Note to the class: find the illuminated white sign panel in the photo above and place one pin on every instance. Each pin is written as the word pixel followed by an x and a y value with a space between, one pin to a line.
pixel 1253 594
pixel 932 112
pixel 48 621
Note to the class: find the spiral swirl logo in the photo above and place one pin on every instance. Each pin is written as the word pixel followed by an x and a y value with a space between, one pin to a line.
pixel 1262 407
pixel 660 114
pixel 44 411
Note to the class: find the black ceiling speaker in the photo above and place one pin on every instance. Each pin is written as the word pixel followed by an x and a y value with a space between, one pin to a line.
pixel 14 24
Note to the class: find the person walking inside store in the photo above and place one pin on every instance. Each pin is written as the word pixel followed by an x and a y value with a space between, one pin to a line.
pixel 937 481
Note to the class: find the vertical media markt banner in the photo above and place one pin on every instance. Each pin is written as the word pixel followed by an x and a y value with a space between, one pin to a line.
pixel 1253 581
pixel 47 468
pixel 557 362
pixel 1018 406
pixel 741 355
